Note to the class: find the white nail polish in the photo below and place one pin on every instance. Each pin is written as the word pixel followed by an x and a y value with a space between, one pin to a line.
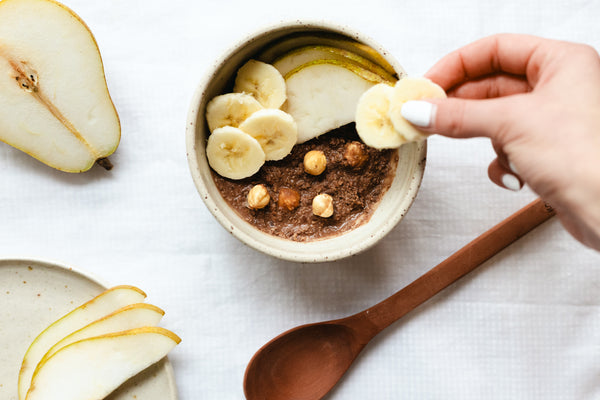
pixel 511 182
pixel 418 112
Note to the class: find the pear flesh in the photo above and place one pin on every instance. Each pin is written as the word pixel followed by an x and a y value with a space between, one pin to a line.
pixel 306 54
pixel 54 101
pixel 93 368
pixel 129 317
pixel 291 42
pixel 323 95
pixel 101 305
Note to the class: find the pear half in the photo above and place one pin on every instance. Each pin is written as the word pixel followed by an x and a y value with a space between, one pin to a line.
pixel 322 95
pixel 54 101
pixel 98 307
pixel 93 368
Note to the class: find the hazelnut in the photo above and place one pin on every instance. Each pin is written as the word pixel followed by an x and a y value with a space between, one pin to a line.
pixel 315 162
pixel 288 198
pixel 355 154
pixel 258 197
pixel 322 205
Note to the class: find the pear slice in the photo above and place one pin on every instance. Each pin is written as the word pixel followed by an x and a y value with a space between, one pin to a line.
pixel 93 368
pixel 129 317
pixel 323 95
pixel 101 305
pixel 306 54
pixel 291 42
pixel 54 100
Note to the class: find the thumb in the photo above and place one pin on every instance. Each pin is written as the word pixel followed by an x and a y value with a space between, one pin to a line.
pixel 459 118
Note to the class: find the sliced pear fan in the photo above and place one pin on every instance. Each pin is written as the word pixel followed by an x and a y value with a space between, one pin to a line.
pixel 95 367
pixel 103 304
pixel 128 317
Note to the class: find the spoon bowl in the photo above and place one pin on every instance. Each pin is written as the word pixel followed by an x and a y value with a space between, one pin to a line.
pixel 305 362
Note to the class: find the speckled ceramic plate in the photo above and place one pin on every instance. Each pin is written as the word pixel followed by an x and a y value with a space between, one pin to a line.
pixel 33 294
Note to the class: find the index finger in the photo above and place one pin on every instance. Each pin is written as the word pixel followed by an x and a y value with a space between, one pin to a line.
pixel 503 53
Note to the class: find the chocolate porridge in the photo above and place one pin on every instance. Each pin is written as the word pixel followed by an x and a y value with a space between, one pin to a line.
pixel 356 177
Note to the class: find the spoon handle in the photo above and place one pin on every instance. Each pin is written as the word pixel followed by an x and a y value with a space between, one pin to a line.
pixel 456 266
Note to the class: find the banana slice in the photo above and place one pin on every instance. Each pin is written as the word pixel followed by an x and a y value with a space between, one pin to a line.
pixel 275 130
pixel 234 154
pixel 262 81
pixel 230 109
pixel 412 89
pixel 373 122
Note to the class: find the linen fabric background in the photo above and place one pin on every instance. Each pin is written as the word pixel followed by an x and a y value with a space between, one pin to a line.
pixel 525 325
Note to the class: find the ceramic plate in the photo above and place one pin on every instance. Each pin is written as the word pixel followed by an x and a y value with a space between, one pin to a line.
pixel 34 294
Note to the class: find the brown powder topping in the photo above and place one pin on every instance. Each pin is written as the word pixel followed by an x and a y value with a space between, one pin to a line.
pixel 356 189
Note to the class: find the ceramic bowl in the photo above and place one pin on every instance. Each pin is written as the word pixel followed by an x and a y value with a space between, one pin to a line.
pixel 392 208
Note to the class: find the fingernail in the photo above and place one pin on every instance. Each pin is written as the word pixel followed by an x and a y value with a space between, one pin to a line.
pixel 418 112
pixel 511 182
pixel 513 168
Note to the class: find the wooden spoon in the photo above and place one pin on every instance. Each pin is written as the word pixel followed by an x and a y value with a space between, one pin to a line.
pixel 305 362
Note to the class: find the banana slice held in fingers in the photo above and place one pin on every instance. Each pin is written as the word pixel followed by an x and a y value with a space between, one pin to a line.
pixel 379 121
pixel 412 89
pixel 234 154
pixel 275 130
pixel 263 81
pixel 230 109
pixel 373 122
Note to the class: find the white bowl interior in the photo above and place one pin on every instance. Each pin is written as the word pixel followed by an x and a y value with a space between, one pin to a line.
pixel 393 206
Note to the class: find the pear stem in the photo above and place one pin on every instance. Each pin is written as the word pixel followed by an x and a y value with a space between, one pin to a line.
pixel 105 163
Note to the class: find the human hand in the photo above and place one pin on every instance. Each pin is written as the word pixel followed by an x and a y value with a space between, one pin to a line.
pixel 538 100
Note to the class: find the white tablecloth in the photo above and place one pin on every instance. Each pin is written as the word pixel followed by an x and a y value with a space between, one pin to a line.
pixel 526 325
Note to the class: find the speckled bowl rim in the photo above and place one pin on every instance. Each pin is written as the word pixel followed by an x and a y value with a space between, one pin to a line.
pixel 328 249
